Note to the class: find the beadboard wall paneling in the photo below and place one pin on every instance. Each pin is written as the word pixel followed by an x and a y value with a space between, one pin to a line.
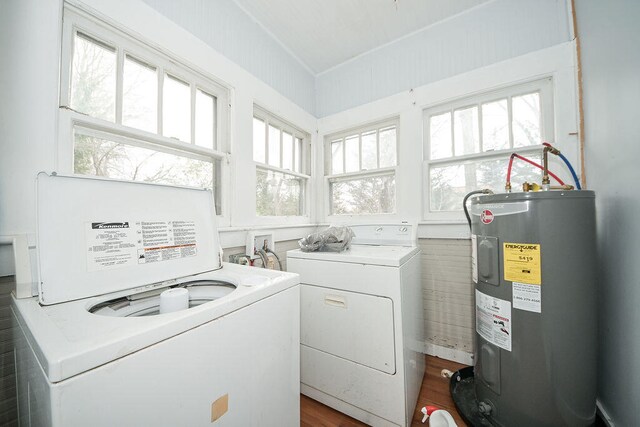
pixel 493 32
pixel 448 293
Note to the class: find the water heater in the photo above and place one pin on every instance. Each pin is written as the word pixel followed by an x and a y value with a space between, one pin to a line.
pixel 534 273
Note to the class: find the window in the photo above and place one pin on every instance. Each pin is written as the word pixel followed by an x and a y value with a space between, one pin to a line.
pixel 131 112
pixel 468 142
pixel 280 153
pixel 361 170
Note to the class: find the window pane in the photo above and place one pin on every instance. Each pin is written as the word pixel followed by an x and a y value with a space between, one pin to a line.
pixel 274 146
pixel 205 119
pixel 526 120
pixel 278 194
pixel 370 195
pixel 369 151
pixel 336 157
pixel 440 136
pixel 495 125
pixel 93 78
pixel 176 109
pixel 447 187
pixel 466 131
pixel 450 183
pixel 258 140
pixel 351 154
pixel 140 95
pixel 298 156
pixel 287 151
pixel 388 147
pixel 102 157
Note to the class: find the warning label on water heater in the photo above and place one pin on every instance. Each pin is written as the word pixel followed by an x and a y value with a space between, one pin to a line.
pixel 127 243
pixel 493 320
pixel 527 297
pixel 522 263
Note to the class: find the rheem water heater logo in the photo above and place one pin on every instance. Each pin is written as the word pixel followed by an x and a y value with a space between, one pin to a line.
pixel 486 217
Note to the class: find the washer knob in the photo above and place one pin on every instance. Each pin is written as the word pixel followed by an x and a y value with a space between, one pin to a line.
pixel 403 229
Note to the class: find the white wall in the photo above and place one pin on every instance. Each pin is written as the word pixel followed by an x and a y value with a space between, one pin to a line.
pixel 29 48
pixel 489 33
pixel 229 30
pixel 610 37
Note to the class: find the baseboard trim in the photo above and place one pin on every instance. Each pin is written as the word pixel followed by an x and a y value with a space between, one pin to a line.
pixel 447 353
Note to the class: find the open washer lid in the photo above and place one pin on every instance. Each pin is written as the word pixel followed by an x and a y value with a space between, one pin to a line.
pixel 99 236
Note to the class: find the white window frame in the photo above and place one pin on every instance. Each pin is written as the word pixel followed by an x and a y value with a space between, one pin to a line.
pixel 304 174
pixel 109 33
pixel 544 86
pixel 330 177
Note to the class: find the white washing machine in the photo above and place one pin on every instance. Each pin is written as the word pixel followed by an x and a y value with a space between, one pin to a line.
pixel 361 325
pixel 93 349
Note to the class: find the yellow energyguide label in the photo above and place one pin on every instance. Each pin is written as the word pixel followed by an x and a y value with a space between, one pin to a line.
pixel 522 263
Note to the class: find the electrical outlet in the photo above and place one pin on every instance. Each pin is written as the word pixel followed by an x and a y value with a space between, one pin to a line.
pixel 258 240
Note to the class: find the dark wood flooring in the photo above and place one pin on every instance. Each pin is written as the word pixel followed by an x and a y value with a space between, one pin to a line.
pixel 434 391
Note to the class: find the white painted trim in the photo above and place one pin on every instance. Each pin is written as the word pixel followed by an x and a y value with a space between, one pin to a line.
pixel 448 353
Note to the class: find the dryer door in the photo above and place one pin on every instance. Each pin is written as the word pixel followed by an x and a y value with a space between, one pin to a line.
pixel 350 325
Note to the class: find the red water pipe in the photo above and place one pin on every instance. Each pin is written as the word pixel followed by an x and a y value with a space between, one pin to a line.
pixel 554 176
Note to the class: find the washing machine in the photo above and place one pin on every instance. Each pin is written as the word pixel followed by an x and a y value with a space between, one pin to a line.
pixel 361 325
pixel 138 322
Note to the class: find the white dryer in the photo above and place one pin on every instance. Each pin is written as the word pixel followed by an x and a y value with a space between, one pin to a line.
pixel 92 348
pixel 361 325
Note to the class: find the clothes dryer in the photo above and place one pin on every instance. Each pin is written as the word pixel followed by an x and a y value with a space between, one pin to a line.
pixel 362 325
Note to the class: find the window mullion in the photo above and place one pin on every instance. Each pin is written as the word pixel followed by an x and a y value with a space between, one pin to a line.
pixel 360 151
pixel 294 143
pixel 480 138
pixel 216 122
pixel 344 154
pixel 119 84
pixel 192 87
pixel 510 119
pixel 453 136
pixel 160 99
pixel 378 148
pixel 266 141
pixel 281 147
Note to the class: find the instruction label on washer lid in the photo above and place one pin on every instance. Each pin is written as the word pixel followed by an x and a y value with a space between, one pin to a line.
pixel 162 241
pixel 522 263
pixel 493 320
pixel 126 243
pixel 474 258
pixel 527 297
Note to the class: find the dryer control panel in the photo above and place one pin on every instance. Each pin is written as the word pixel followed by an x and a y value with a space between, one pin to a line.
pixel 401 234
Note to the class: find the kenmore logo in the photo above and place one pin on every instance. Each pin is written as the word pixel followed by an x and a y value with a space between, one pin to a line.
pixel 103 225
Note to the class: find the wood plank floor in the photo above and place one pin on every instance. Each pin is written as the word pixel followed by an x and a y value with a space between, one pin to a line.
pixel 434 391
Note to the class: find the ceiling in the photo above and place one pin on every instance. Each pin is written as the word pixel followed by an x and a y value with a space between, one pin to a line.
pixel 325 33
